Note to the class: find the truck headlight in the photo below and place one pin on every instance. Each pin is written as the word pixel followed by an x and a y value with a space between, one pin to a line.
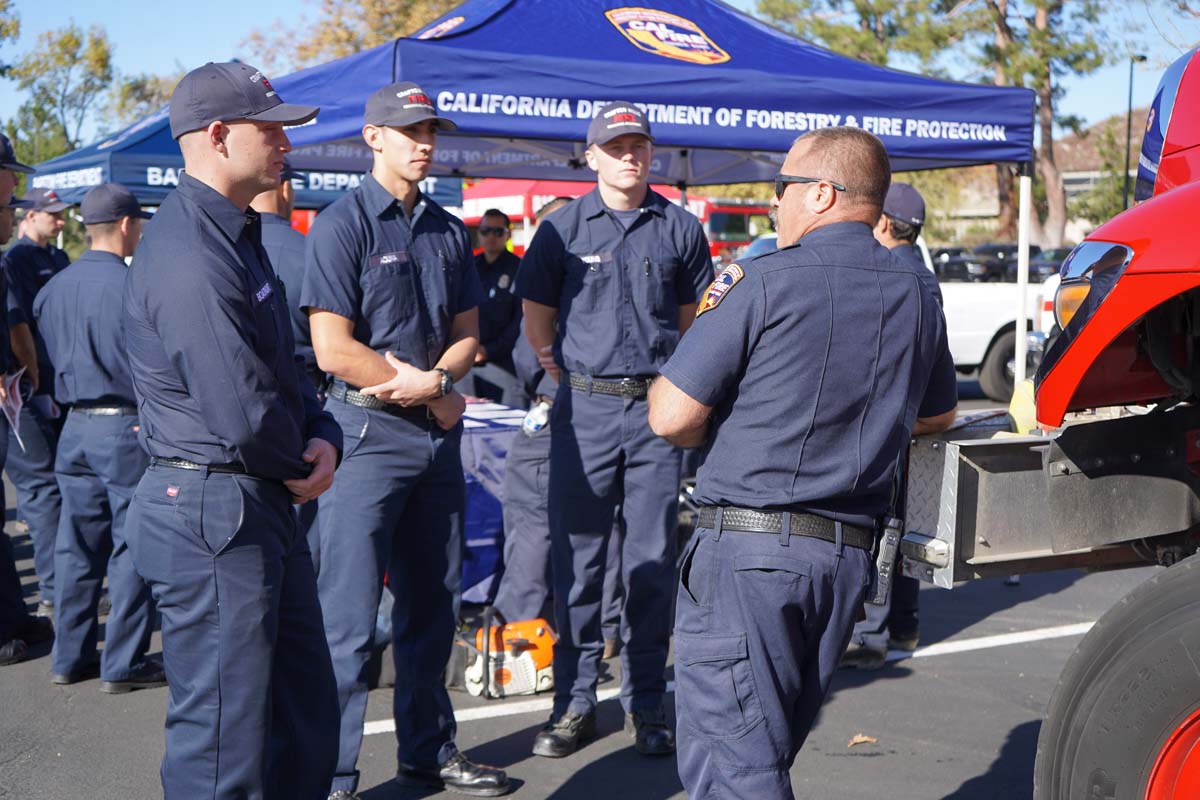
pixel 1089 263
pixel 1069 298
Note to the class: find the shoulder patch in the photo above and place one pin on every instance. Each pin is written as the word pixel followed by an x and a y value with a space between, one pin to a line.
pixel 719 288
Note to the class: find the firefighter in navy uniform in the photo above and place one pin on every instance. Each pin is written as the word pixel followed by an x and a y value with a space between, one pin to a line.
pixel 29 263
pixel 391 295
pixel 610 284
pixel 494 376
pixel 235 436
pixel 99 460
pixel 804 376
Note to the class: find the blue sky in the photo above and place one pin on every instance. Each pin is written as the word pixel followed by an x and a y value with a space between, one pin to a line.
pixel 157 36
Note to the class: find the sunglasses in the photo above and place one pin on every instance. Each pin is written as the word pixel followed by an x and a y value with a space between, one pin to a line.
pixel 782 181
pixel 493 231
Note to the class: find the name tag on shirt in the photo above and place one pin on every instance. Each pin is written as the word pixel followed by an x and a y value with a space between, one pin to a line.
pixel 596 259
pixel 383 259
pixel 263 293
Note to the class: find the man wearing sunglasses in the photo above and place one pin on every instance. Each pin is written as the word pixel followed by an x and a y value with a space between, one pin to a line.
pixel 493 375
pixel 804 375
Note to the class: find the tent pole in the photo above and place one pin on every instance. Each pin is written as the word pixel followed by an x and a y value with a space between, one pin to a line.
pixel 686 172
pixel 1025 208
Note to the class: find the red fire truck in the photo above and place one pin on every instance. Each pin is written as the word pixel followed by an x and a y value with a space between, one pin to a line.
pixel 1113 480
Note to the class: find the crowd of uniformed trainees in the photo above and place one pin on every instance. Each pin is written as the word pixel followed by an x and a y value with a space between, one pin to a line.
pixel 173 437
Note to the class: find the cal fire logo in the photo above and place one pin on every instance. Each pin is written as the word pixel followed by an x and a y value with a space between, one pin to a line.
pixel 415 98
pixel 442 28
pixel 258 77
pixel 666 35
pixel 719 288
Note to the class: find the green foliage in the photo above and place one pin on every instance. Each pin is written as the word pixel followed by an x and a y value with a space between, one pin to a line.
pixel 10 29
pixel 64 74
pixel 1107 198
pixel 136 96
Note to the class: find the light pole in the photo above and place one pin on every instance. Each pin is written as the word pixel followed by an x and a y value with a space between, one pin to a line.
pixel 1134 58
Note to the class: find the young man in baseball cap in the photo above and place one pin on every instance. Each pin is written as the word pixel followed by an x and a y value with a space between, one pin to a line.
pixel 392 296
pixel 235 436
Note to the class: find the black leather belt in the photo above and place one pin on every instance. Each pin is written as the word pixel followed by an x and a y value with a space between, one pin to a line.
pixel 635 388
pixel 748 519
pixel 233 467
pixel 106 411
pixel 339 391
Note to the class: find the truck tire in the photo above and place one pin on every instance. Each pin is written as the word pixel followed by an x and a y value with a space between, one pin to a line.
pixel 1124 721
pixel 995 377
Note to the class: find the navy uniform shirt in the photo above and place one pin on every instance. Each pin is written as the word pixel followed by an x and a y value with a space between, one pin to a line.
pixel 909 254
pixel 27 268
pixel 401 281
pixel 500 311
pixel 79 316
pixel 617 290
pixel 816 362
pixel 210 343
pixel 285 249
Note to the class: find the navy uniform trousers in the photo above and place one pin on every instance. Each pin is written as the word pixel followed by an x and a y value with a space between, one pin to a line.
pixel 98 466
pixel 761 623
pixel 242 637
pixel 12 596
pixel 604 455
pixel 38 500
pixel 395 506
pixel 525 585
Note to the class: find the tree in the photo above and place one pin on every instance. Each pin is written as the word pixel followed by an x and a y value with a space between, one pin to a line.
pixel 64 74
pixel 137 96
pixel 10 29
pixel 342 27
pixel 873 30
pixel 1106 198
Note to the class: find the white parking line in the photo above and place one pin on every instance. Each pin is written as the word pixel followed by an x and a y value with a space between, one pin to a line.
pixel 940 649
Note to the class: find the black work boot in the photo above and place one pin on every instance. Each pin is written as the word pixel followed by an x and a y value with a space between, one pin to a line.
pixel 146 675
pixel 564 734
pixel 459 774
pixel 651 734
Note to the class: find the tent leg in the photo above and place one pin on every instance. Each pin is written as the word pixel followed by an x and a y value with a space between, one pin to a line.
pixel 1025 208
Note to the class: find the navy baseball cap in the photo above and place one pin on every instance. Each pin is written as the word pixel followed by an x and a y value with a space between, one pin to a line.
pixel 402 103
pixel 230 91
pixel 18 202
pixel 110 202
pixel 45 200
pixel 905 204
pixel 8 158
pixel 617 119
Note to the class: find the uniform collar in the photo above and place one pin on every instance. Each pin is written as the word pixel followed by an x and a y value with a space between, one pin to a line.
pixel 101 256
pixel 27 242
pixel 501 263
pixel 593 206
pixel 378 199
pixel 273 219
pixel 230 219
pixel 836 230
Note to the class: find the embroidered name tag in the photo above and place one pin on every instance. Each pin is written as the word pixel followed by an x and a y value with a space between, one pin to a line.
pixel 263 293
pixel 598 258
pixel 383 259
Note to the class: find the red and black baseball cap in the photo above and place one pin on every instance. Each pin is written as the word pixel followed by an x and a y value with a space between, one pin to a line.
pixel 227 92
pixel 45 200
pixel 617 119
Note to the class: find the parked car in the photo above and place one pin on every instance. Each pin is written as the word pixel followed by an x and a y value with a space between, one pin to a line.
pixel 956 264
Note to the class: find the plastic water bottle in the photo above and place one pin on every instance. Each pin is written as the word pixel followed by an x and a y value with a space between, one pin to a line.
pixel 536 419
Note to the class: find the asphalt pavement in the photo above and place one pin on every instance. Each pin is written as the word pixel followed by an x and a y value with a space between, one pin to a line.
pixel 959 718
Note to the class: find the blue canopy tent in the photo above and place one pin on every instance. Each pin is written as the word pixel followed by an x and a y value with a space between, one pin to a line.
pixel 726 94
pixel 145 158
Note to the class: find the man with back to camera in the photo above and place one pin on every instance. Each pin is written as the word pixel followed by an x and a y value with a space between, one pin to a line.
pixel 609 285
pixel 99 460
pixel 18 628
pixel 28 264
pixel 899 226
pixel 804 376
pixel 235 436
pixel 392 297
pixel 493 375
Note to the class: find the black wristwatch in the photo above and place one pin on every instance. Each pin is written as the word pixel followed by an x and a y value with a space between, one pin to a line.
pixel 447 383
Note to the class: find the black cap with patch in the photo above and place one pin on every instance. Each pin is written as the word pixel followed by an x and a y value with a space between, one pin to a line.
pixel 110 202
pixel 400 104
pixel 227 92
pixel 45 200
pixel 617 119
pixel 8 158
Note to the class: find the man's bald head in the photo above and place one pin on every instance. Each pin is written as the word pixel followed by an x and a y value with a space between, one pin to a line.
pixel 857 160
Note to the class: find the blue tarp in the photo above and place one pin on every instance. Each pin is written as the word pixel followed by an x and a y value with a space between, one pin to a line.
pixel 145 158
pixel 726 94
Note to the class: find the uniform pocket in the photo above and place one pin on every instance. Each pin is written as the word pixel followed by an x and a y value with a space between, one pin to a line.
pixel 695 574
pixel 387 284
pixel 223 507
pixel 660 291
pixel 589 283
pixel 717 685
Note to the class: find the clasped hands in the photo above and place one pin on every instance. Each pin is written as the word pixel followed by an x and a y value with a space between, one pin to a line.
pixel 412 386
